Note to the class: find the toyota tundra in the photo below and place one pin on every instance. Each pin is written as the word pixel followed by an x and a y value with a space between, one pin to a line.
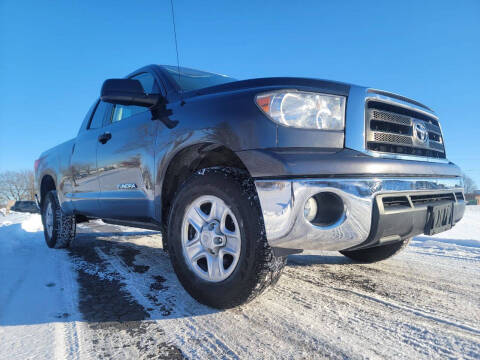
pixel 238 174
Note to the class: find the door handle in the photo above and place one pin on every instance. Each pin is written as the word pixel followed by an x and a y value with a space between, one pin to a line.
pixel 104 137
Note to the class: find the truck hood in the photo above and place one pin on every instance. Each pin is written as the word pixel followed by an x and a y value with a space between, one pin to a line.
pixel 265 84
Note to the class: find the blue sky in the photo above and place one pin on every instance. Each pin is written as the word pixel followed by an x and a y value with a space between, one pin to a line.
pixel 54 56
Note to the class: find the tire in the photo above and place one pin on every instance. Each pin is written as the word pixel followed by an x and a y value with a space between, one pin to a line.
pixel 377 253
pixel 256 267
pixel 63 225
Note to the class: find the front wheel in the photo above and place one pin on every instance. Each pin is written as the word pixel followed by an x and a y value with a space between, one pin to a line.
pixel 377 253
pixel 217 242
pixel 58 227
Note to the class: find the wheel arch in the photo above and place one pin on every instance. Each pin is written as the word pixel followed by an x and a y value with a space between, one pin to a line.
pixel 186 162
pixel 47 184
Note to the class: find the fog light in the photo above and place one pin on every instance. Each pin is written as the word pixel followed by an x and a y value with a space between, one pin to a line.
pixel 310 209
pixel 330 209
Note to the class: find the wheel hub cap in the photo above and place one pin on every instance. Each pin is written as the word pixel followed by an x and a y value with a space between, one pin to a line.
pixel 211 238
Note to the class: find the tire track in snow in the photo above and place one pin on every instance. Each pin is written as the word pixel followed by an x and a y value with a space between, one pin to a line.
pixel 356 321
pixel 436 299
pixel 398 325
pixel 413 311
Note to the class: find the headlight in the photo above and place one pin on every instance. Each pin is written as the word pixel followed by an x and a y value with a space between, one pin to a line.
pixel 302 109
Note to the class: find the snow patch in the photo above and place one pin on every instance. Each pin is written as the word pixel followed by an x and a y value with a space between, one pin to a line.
pixel 33 224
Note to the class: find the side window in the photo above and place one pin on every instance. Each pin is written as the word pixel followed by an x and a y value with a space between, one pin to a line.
pixel 87 117
pixel 150 86
pixel 99 115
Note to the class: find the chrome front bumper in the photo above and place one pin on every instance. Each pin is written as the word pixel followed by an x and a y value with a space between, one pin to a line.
pixel 283 201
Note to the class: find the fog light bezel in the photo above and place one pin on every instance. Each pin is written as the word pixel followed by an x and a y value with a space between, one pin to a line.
pixel 323 218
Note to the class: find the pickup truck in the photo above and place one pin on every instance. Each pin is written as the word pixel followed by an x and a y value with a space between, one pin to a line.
pixel 239 174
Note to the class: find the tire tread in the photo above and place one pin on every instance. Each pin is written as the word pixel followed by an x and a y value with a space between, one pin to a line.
pixel 65 225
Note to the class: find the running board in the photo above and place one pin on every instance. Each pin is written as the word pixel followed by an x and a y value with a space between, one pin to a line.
pixel 136 224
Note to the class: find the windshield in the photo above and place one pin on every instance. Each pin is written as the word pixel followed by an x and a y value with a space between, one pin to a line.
pixel 190 79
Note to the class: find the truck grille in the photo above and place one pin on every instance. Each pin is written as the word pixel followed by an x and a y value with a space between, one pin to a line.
pixel 399 130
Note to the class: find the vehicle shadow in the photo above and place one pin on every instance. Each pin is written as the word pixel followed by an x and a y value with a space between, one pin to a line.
pixel 320 259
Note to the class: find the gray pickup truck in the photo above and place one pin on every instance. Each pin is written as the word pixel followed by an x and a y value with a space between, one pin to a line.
pixel 239 174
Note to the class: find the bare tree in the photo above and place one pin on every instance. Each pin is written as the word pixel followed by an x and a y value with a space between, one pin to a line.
pixel 17 185
pixel 468 184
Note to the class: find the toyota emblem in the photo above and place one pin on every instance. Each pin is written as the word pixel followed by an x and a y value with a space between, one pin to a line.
pixel 421 132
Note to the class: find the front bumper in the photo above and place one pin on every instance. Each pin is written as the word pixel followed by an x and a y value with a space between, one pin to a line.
pixel 366 221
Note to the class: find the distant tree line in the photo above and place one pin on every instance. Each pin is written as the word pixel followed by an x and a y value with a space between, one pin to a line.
pixel 17 185
pixel 468 184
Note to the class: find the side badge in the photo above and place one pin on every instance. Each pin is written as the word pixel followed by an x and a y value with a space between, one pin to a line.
pixel 126 186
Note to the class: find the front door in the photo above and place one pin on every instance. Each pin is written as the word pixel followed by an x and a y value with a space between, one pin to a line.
pixel 126 160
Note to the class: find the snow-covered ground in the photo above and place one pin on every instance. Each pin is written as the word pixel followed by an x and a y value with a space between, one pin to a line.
pixel 114 295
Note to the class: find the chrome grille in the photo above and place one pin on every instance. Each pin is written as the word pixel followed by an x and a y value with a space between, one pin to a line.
pixel 395 129
pixel 392 138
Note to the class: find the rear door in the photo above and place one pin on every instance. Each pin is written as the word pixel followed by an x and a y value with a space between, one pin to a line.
pixel 85 185
pixel 126 161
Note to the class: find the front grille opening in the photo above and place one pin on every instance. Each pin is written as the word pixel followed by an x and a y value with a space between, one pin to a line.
pixel 401 110
pixel 386 116
pixel 390 127
pixel 405 150
pixel 422 199
pixel 434 137
pixel 392 138
pixel 459 196
pixel 395 201
pixel 434 128
pixel 436 146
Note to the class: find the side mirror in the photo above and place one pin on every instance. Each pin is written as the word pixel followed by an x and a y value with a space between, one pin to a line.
pixel 127 92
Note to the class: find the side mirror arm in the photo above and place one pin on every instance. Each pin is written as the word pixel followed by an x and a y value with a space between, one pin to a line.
pixel 160 112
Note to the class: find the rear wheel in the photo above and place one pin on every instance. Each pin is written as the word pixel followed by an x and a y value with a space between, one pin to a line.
pixel 217 242
pixel 58 227
pixel 377 253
